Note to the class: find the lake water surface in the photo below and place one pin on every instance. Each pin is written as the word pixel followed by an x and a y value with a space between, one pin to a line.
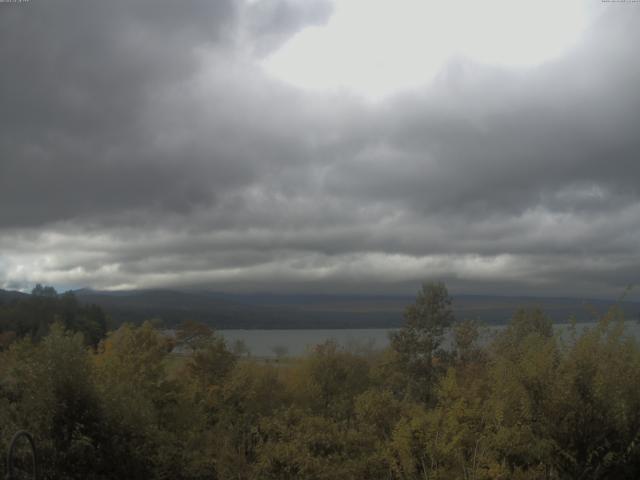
pixel 265 343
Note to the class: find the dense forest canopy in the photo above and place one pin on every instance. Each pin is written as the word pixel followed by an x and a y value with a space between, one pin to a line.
pixel 32 316
pixel 529 404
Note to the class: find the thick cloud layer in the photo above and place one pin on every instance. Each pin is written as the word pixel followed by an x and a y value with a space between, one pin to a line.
pixel 141 145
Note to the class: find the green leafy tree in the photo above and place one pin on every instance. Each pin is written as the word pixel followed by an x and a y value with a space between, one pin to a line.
pixel 148 416
pixel 32 317
pixel 252 392
pixel 595 421
pixel 53 395
pixel 418 342
pixel 328 380
pixel 466 348
pixel 211 362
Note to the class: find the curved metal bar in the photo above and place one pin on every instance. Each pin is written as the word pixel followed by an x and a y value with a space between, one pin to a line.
pixel 10 453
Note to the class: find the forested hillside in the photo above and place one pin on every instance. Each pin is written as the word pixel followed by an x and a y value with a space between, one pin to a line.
pixel 301 311
pixel 169 308
pixel 31 316
pixel 528 405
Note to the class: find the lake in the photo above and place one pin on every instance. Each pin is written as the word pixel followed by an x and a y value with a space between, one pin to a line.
pixel 265 343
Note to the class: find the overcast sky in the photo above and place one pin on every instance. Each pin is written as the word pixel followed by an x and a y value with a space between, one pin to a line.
pixel 320 146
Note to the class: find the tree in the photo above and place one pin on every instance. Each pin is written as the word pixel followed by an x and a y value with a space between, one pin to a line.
pixel 141 404
pixel 192 336
pixel 211 362
pixel 33 315
pixel 465 342
pixel 252 392
pixel 46 291
pixel 327 381
pixel 54 397
pixel 419 340
pixel 595 422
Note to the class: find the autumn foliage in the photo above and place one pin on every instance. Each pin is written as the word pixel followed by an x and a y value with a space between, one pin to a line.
pixel 443 402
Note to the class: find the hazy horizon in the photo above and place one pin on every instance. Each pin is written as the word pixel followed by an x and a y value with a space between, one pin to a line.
pixel 624 296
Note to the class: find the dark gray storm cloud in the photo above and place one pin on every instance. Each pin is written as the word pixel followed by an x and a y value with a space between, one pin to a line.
pixel 142 145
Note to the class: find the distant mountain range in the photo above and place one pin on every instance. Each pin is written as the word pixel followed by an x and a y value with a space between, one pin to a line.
pixel 9 295
pixel 225 310
pixel 268 311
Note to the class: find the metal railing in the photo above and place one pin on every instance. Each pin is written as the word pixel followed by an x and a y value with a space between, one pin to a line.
pixel 12 468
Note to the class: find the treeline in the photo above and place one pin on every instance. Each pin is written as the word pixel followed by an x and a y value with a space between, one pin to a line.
pixel 529 404
pixel 32 316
